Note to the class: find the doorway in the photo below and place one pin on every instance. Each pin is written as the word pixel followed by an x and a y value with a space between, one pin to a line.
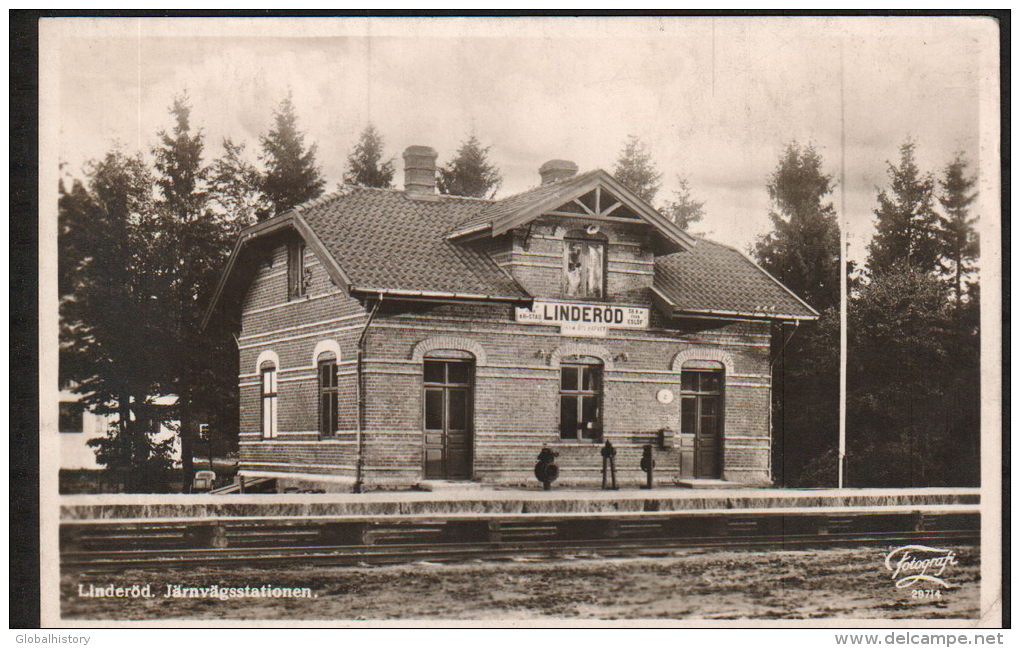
pixel 701 408
pixel 448 403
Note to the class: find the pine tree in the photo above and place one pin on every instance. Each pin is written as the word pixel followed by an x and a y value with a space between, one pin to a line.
pixel 635 169
pixel 907 225
pixel 188 254
pixel 802 250
pixel 365 166
pixel 683 209
pixel 469 173
pixel 291 178
pixel 959 239
pixel 235 187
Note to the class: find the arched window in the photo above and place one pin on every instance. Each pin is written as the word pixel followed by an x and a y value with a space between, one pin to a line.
pixel 581 398
pixel 328 394
pixel 268 372
pixel 584 264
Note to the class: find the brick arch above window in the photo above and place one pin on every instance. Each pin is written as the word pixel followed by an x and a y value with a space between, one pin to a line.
pixel 576 349
pixel 325 346
pixel 453 342
pixel 703 353
pixel 267 356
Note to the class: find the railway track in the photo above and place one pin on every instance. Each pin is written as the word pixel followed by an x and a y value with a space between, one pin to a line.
pixel 361 554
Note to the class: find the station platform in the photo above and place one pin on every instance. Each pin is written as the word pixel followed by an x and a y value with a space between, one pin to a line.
pixel 490 501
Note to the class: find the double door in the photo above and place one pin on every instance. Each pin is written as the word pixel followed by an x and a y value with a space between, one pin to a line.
pixel 701 417
pixel 448 418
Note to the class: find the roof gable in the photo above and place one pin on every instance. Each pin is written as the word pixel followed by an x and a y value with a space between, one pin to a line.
pixel 289 221
pixel 567 198
pixel 374 241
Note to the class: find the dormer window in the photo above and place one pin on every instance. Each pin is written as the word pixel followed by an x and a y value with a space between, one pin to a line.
pixel 584 266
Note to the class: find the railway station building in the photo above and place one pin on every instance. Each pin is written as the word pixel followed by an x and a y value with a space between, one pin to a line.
pixel 389 337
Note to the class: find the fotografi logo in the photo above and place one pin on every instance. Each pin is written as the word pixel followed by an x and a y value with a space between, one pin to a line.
pixel 912 564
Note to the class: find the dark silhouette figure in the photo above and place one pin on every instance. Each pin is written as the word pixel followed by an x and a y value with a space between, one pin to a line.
pixel 608 460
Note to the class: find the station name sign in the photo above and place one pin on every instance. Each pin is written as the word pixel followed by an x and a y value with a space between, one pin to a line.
pixel 590 320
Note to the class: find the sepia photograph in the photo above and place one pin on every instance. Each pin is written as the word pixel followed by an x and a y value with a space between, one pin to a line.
pixel 531 321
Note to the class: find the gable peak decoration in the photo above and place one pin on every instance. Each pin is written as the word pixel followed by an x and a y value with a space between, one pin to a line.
pixel 593 195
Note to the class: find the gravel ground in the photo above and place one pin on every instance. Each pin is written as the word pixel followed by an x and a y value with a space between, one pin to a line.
pixel 693 584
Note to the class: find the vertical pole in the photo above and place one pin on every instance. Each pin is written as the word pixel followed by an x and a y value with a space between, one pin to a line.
pixel 842 272
pixel 359 464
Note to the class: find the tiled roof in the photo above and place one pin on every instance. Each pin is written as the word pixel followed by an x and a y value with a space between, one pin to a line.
pixel 714 278
pixel 510 204
pixel 383 239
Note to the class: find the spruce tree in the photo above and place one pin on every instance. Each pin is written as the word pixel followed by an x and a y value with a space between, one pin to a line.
pixel 959 239
pixel 469 173
pixel 635 169
pixel 365 166
pixel 235 187
pixel 683 209
pixel 292 177
pixel 907 225
pixel 188 254
pixel 802 250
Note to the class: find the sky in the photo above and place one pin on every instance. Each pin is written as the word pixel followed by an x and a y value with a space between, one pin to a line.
pixel 714 99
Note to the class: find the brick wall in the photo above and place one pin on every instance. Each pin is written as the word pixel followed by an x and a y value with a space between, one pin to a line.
pixel 535 259
pixel 292 330
pixel 516 382
pixel 517 388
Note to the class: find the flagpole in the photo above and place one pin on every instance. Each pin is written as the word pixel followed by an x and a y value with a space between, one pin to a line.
pixel 842 273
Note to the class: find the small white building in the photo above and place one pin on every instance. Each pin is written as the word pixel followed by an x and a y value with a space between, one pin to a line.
pixel 77 425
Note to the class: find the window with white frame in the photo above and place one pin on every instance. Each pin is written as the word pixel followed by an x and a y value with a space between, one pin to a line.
pixel 329 396
pixel 269 406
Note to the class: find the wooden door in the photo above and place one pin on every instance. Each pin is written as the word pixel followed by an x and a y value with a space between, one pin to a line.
pixel 448 419
pixel 701 417
pixel 706 439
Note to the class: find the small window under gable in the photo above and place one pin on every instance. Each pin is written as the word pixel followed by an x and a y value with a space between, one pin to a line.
pixel 597 203
pixel 296 281
pixel 584 265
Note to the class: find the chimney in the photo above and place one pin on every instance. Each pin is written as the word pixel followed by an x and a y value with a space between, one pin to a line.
pixel 420 170
pixel 556 170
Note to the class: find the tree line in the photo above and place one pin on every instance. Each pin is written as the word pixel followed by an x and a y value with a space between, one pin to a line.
pixel 142 240
pixel 913 357
pixel 913 383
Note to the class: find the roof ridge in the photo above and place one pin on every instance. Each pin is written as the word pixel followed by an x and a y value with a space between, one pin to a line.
pixel 457 197
pixel 548 184
pixel 397 190
pixel 318 201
